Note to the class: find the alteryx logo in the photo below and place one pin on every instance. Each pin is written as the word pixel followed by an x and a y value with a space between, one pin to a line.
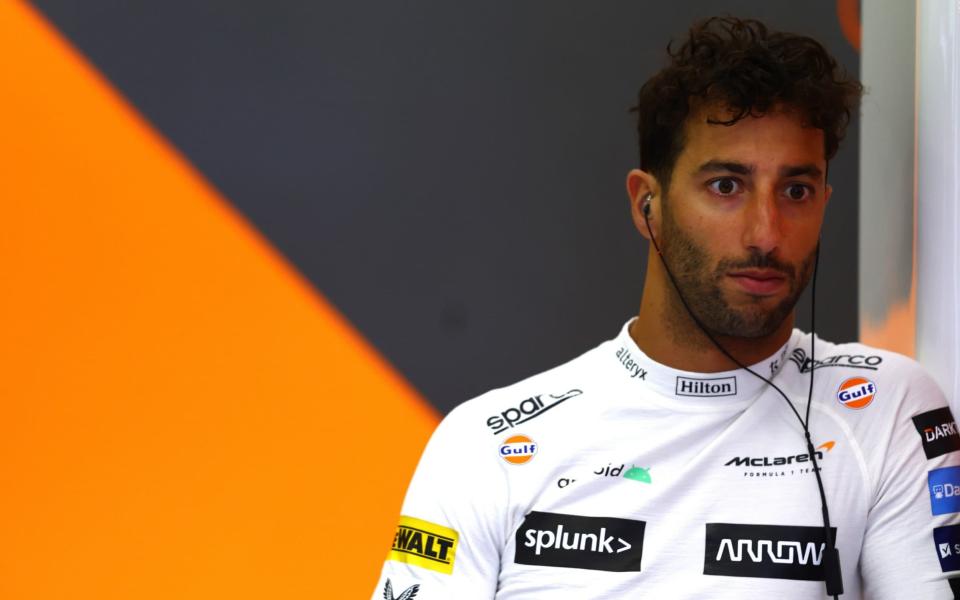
pixel 944 490
pixel 631 365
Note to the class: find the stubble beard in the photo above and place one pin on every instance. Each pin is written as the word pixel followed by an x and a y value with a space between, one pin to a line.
pixel 701 288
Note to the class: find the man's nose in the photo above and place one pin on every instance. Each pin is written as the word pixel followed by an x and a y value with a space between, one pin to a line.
pixel 763 229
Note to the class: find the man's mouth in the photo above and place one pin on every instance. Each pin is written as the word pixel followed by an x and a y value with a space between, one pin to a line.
pixel 759 282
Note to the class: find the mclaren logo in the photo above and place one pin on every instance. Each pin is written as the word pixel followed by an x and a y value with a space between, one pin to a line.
pixel 776 461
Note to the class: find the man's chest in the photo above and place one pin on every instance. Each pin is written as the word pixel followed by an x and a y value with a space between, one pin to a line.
pixel 678 508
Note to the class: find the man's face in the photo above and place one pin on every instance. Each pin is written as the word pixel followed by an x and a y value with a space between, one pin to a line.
pixel 742 218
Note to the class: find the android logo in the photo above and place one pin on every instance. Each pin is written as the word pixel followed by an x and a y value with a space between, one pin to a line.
pixel 638 474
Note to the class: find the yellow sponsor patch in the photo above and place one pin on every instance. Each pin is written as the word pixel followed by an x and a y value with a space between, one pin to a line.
pixel 424 544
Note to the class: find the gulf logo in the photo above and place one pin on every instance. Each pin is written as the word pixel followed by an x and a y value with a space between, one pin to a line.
pixel 518 449
pixel 856 392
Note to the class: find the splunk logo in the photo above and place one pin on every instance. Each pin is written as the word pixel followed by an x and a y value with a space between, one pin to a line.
pixel 595 543
pixel 777 461
pixel 720 386
pixel 769 551
pixel 528 409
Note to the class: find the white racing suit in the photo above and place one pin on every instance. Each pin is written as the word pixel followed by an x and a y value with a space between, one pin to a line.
pixel 613 476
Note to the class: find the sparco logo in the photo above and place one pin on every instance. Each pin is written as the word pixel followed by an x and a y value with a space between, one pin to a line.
pixel 626 359
pixel 938 432
pixel 771 551
pixel 596 543
pixel 528 409
pixel 721 386
pixel 852 361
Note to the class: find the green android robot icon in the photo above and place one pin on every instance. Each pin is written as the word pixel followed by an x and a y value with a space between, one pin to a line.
pixel 638 474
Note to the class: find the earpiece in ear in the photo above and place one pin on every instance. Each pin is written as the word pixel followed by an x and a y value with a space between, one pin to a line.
pixel 646 205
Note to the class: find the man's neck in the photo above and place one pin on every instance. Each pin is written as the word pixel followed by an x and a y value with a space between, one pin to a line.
pixel 667 334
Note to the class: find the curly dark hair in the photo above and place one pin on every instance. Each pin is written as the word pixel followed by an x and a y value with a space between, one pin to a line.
pixel 741 66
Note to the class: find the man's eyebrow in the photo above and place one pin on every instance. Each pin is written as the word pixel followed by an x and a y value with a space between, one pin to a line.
pixel 812 171
pixel 724 166
pixel 727 166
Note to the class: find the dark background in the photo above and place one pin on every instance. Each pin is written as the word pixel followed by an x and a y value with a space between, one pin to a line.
pixel 449 175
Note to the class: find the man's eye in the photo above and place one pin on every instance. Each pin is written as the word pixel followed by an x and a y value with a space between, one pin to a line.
pixel 725 186
pixel 799 192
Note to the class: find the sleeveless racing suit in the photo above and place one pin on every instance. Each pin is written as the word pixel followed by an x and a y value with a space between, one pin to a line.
pixel 613 476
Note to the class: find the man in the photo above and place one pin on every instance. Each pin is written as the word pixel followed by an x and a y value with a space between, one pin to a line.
pixel 655 466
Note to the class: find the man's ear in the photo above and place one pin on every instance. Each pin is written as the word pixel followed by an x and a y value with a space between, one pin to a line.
pixel 642 188
pixel 827 192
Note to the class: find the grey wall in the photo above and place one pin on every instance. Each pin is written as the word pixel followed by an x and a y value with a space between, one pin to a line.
pixel 450 175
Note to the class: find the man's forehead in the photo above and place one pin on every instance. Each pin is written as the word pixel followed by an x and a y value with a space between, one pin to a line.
pixel 777 139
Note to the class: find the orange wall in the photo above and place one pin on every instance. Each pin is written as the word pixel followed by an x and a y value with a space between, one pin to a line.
pixel 181 415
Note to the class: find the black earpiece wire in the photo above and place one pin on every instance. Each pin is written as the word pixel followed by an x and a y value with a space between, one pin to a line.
pixel 831 557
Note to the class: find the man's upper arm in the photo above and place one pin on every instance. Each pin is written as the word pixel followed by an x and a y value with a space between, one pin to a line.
pixel 914 498
pixel 450 532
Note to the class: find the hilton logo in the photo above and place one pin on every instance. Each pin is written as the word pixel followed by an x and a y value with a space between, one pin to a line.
pixel 722 386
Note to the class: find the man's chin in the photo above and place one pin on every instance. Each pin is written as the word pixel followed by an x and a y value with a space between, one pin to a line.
pixel 752 322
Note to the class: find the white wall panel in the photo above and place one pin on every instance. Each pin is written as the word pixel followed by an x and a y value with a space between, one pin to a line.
pixel 938 187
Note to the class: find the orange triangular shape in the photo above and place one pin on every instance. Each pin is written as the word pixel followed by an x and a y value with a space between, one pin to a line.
pixel 181 415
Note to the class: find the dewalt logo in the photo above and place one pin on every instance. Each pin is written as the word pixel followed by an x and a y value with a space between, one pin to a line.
pixel 424 544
